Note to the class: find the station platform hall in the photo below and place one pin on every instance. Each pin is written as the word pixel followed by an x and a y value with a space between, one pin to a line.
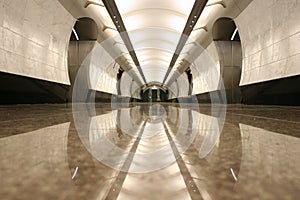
pixel 149 100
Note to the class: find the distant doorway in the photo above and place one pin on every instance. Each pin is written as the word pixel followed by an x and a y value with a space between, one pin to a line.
pixel 154 94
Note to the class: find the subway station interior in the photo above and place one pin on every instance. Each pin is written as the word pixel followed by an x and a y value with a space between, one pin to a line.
pixel 149 99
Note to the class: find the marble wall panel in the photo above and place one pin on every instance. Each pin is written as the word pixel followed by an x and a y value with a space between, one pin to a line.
pixel 269 32
pixel 35 38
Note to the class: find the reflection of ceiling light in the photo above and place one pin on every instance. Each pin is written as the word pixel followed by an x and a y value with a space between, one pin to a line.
pixel 75 173
pixel 234 34
pixel 232 172
pixel 75 33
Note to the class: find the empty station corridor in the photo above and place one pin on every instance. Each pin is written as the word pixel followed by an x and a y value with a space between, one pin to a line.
pixel 149 99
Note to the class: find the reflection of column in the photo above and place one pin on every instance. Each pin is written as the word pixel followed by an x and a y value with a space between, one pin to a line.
pixel 177 89
pixel 190 78
pixel 158 94
pixel 119 76
pixel 150 94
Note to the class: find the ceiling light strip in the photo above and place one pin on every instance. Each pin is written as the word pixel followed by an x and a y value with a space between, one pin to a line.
pixel 191 22
pixel 75 33
pixel 115 15
pixel 234 34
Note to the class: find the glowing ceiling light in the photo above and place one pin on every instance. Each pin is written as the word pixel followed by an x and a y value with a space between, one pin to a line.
pixel 234 33
pixel 75 33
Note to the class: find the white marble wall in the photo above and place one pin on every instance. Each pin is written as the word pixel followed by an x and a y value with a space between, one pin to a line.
pixel 206 71
pixel 270 35
pixel 129 88
pixel 184 85
pixel 102 70
pixel 125 85
pixel 34 37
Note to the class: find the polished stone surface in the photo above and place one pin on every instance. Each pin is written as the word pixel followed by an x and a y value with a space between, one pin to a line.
pixel 158 151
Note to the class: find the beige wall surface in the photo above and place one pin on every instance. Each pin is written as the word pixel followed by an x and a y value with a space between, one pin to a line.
pixel 34 37
pixel 270 35
pixel 206 73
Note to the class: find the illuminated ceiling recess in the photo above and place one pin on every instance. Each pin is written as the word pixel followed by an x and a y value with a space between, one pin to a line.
pixel 154 54
pixel 197 9
pixel 113 11
pixel 154 48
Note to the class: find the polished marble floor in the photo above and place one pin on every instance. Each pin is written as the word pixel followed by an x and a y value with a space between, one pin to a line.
pixel 149 151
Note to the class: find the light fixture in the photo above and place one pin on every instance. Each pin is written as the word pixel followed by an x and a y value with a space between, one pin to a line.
pixel 234 34
pixel 107 27
pixel 188 53
pixel 115 43
pixel 92 3
pixel 193 43
pixel 122 53
pixel 216 3
pixel 201 28
pixel 75 33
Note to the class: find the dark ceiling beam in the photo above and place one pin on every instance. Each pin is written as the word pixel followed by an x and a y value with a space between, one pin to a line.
pixel 115 15
pixel 197 9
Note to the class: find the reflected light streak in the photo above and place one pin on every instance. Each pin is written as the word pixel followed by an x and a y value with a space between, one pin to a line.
pixel 75 173
pixel 232 172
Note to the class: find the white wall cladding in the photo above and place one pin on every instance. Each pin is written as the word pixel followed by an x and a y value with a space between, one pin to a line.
pixel 34 37
pixel 206 71
pixel 102 70
pixel 107 82
pixel 126 82
pixel 270 34
pixel 129 88
pixel 184 85
pixel 136 90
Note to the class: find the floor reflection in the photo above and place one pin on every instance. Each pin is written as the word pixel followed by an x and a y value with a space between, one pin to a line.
pixel 158 151
pixel 31 163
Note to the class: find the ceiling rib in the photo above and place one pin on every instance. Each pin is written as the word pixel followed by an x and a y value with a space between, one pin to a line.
pixel 197 9
pixel 115 15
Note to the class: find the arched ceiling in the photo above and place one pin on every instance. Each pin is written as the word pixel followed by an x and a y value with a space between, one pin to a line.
pixel 155 37
pixel 155 28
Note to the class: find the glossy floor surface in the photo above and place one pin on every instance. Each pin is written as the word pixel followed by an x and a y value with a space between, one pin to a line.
pixel 142 151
